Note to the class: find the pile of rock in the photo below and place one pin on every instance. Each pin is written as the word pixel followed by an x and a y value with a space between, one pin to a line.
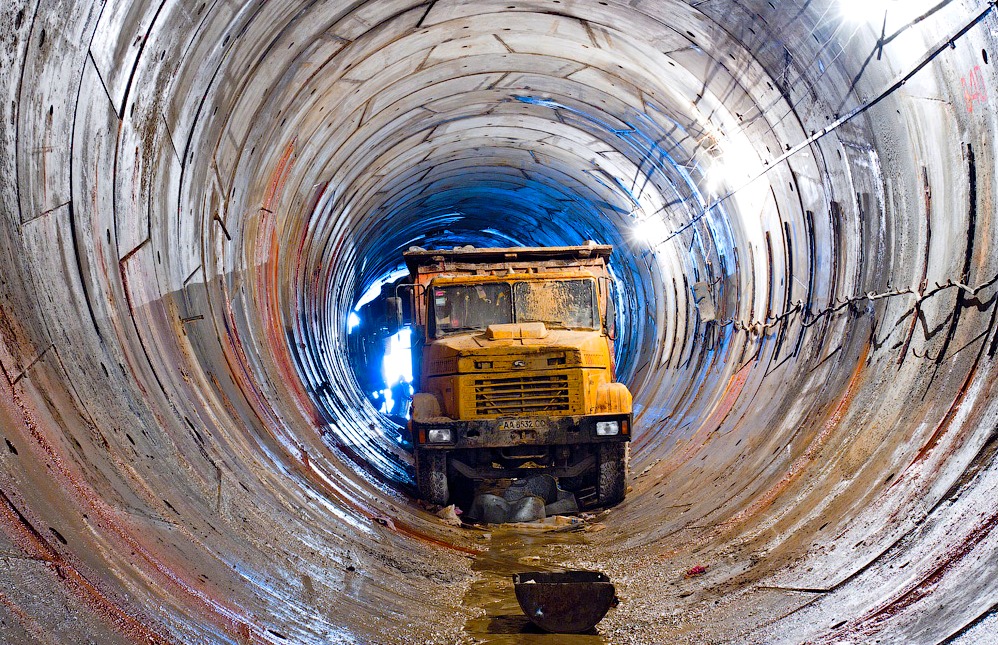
pixel 526 500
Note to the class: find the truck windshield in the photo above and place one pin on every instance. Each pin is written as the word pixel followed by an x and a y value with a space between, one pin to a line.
pixel 460 308
pixel 557 303
pixel 569 304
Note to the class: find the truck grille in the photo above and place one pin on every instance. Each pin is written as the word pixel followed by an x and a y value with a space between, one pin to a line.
pixel 516 395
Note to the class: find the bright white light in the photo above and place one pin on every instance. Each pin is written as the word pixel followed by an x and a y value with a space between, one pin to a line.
pixel 397 366
pixel 898 12
pixel 864 10
pixel 398 358
pixel 741 158
pixel 352 321
pixel 651 230
pixel 737 164
pixel 716 176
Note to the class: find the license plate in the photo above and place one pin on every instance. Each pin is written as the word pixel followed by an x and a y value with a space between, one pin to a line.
pixel 522 424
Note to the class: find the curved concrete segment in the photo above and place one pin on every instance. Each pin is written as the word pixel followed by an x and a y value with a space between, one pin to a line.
pixel 194 196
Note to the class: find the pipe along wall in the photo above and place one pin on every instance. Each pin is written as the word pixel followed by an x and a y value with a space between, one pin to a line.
pixel 195 194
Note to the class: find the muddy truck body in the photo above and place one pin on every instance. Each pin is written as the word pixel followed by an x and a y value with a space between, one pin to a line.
pixel 514 372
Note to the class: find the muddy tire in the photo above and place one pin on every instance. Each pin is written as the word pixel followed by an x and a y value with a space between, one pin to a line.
pixel 431 476
pixel 612 481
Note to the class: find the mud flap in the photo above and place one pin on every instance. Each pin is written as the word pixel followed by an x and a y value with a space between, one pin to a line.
pixel 431 476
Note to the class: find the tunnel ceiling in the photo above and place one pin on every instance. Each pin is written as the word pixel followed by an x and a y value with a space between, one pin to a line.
pixel 195 195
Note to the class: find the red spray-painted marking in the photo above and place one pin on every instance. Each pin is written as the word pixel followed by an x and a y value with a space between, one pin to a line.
pixel 974 89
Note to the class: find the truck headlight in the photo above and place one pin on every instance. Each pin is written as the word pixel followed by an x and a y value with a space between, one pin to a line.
pixel 607 428
pixel 439 435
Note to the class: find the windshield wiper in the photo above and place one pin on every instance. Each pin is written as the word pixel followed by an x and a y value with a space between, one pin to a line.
pixel 548 323
pixel 451 330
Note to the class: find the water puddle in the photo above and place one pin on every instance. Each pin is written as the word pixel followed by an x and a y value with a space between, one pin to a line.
pixel 516 550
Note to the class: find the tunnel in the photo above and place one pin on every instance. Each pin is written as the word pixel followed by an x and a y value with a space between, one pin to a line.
pixel 800 195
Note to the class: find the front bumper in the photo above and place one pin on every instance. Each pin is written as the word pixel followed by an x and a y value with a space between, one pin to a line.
pixel 522 431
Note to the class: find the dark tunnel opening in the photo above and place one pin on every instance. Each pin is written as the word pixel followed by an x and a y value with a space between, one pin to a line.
pixel 800 196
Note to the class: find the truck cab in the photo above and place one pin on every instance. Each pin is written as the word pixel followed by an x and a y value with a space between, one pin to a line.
pixel 514 372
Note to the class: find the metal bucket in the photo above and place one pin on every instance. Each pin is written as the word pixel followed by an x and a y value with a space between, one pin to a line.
pixel 565 602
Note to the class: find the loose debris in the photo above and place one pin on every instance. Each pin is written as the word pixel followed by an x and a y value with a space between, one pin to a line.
pixel 449 514
pixel 698 570
pixel 528 500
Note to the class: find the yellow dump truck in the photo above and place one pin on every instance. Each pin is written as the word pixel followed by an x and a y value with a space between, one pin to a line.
pixel 513 370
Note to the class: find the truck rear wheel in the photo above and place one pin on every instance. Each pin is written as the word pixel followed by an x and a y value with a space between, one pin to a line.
pixel 431 476
pixel 612 465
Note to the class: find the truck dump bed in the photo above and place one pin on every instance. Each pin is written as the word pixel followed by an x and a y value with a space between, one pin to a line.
pixel 474 259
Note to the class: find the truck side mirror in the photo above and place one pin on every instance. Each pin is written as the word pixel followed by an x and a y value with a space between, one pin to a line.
pixel 393 314
pixel 608 293
pixel 610 322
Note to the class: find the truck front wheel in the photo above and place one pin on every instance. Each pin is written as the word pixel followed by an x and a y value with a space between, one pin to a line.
pixel 612 466
pixel 431 476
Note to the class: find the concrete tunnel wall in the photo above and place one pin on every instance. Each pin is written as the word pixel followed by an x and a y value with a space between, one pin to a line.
pixel 195 194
